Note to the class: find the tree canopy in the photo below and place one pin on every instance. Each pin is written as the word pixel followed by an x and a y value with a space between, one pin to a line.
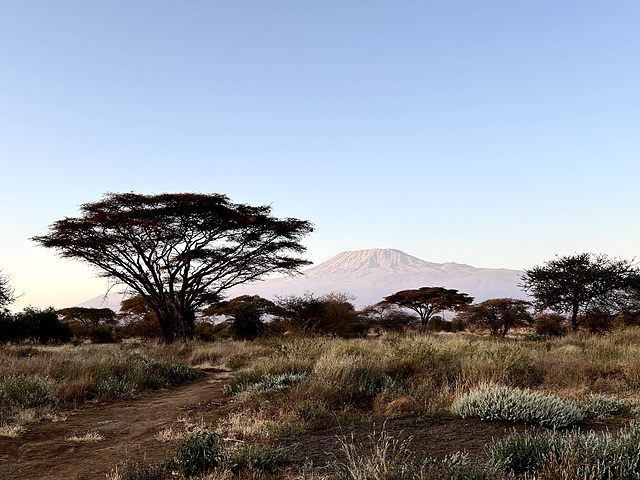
pixel 7 292
pixel 247 312
pixel 179 251
pixel 428 301
pixel 582 284
pixel 89 317
pixel 498 315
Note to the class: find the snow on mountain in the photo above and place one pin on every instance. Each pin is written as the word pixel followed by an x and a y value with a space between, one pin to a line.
pixel 370 275
pixel 375 273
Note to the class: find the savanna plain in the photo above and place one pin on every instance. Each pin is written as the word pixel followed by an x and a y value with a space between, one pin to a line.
pixel 390 406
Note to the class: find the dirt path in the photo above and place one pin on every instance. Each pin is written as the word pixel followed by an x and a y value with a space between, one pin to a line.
pixel 129 430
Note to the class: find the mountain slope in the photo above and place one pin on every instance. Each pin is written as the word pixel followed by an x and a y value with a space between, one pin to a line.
pixel 375 273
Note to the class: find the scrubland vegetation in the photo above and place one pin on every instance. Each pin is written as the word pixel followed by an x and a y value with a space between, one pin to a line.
pixel 319 362
pixel 288 385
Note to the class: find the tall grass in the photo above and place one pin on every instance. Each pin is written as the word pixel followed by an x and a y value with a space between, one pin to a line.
pixel 43 377
pixel 350 380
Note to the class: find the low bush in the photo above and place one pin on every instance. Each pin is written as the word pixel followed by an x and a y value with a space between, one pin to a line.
pixel 199 453
pixel 257 381
pixel 133 470
pixel 102 334
pixel 23 391
pixel 263 458
pixel 570 456
pixel 497 402
pixel 603 406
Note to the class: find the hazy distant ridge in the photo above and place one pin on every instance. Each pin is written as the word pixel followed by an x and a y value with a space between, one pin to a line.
pixel 375 273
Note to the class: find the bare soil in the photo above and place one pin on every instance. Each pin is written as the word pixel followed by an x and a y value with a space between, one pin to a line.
pixel 428 435
pixel 130 429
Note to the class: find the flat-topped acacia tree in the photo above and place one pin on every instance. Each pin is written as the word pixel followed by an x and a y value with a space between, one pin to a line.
pixel 178 251
pixel 427 301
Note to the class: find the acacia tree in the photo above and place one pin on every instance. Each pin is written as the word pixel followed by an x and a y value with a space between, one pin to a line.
pixel 498 315
pixel 427 301
pixel 581 285
pixel 389 318
pixel 7 292
pixel 179 251
pixel 89 317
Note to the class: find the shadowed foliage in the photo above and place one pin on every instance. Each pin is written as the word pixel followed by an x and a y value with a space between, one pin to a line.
pixel 247 312
pixel 498 315
pixel 7 292
pixel 89 317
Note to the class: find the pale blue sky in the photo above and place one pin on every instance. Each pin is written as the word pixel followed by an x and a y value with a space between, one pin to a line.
pixel 494 133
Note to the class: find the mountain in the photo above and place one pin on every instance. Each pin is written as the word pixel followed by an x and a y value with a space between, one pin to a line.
pixel 375 273
pixel 110 300
pixel 371 275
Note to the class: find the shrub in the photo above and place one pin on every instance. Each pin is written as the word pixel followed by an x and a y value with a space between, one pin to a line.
pixel 551 324
pixel 265 458
pixel 102 335
pixel 23 391
pixel 439 324
pixel 152 373
pixel 521 452
pixel 257 381
pixel 496 402
pixel 199 453
pixel 603 406
pixel 121 379
pixel 570 456
pixel 132 470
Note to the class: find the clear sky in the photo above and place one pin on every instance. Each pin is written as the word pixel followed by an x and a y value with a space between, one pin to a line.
pixel 492 133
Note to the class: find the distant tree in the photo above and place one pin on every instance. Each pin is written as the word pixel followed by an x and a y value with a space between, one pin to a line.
pixel 389 318
pixel 301 313
pixel 7 292
pixel 89 317
pixel 139 317
pixel 8 328
pixel 498 315
pixel 582 285
pixel 247 312
pixel 428 301
pixel 330 314
pixel 552 324
pixel 178 251
pixel 41 326
pixel 340 317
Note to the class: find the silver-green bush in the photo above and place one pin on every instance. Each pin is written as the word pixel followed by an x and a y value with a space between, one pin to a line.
pixel 571 455
pixel 604 406
pixel 498 402
pixel 260 382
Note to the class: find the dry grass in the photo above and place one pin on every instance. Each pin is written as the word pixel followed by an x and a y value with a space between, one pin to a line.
pixel 91 436
pixel 350 380
pixel 347 380
pixel 37 380
pixel 182 427
pixel 11 431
